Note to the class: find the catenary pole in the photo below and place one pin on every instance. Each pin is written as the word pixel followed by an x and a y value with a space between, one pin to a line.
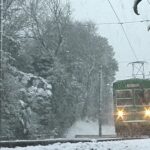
pixel 100 100
pixel 1 73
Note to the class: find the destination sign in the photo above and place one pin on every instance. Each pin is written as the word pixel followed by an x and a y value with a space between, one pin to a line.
pixel 133 85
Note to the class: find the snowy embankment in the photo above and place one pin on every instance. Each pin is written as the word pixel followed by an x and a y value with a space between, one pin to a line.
pixel 88 127
pixel 117 145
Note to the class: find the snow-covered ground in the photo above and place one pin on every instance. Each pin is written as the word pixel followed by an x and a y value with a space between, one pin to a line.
pixel 117 145
pixel 88 127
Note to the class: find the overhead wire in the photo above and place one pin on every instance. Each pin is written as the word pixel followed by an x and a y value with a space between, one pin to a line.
pixel 123 30
pixel 125 22
pixel 118 23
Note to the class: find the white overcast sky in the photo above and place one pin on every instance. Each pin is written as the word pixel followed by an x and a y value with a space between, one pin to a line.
pixel 99 11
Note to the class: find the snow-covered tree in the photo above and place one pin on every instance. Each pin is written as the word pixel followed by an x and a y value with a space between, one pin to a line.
pixel 51 75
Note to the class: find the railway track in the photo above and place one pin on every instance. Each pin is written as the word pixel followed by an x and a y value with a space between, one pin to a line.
pixel 24 143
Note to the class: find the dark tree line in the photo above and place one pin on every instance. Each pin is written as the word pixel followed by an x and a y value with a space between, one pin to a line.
pixel 44 47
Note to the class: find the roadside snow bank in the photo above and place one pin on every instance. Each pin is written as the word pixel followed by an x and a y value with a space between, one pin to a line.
pixel 117 145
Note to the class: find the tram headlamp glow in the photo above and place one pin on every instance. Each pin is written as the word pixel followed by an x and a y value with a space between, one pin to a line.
pixel 120 114
pixel 147 112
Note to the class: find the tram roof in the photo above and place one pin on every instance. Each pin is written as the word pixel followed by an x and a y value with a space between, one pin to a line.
pixel 131 83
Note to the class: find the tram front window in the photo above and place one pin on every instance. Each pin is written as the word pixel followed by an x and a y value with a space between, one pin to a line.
pixel 139 97
pixel 124 97
pixel 124 102
pixel 147 95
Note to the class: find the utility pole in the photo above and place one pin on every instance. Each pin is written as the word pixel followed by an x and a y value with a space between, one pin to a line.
pixel 1 73
pixel 100 100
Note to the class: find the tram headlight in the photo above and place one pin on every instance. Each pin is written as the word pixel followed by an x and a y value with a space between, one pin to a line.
pixel 120 114
pixel 147 112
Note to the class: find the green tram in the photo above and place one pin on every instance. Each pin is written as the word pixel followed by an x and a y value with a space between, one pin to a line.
pixel 132 107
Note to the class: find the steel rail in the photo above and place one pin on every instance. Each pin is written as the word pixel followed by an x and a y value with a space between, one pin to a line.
pixel 24 143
